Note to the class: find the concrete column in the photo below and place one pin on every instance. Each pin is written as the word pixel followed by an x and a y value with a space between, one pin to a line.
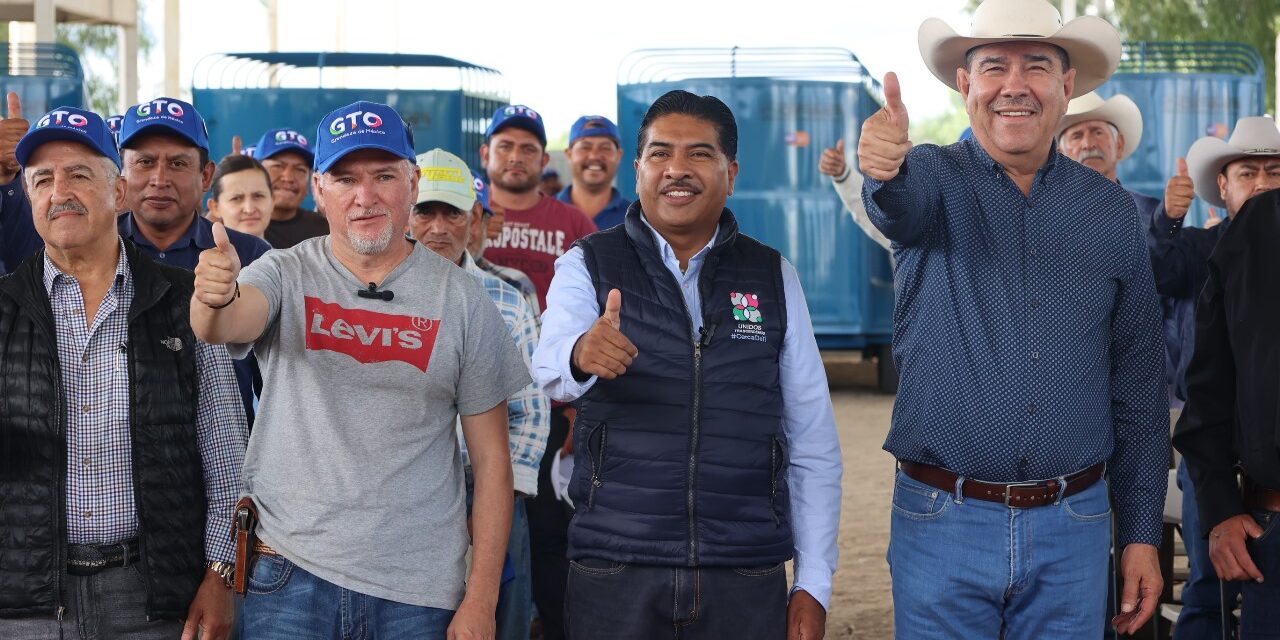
pixel 46 19
pixel 128 67
pixel 172 50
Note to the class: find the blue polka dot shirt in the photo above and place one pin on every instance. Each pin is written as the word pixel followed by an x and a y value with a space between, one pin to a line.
pixel 1027 328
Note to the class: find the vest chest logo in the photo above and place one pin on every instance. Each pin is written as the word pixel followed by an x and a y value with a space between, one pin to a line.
pixel 370 337
pixel 746 311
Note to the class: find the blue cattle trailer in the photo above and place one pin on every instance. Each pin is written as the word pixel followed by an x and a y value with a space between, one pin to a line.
pixel 447 102
pixel 1185 90
pixel 45 75
pixel 790 104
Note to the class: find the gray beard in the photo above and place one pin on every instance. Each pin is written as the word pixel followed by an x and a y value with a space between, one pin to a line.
pixel 367 246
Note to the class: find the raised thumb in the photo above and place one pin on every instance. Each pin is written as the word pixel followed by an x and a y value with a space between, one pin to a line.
pixel 221 240
pixel 613 309
pixel 893 97
pixel 840 145
pixel 1182 167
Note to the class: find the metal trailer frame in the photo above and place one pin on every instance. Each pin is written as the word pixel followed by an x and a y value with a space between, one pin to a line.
pixel 852 303
pixel 481 88
pixel 45 75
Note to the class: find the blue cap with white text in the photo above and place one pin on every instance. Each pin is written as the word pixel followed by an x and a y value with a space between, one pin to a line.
pixel 74 125
pixel 278 140
pixel 164 116
pixel 520 117
pixel 361 125
pixel 482 190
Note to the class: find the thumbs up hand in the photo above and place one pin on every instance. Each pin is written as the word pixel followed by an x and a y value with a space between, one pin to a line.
pixel 217 270
pixel 1179 193
pixel 1214 219
pixel 12 129
pixel 832 162
pixel 883 146
pixel 604 351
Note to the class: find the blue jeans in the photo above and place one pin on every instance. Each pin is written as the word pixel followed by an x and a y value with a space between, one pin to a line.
pixel 1201 617
pixel 515 599
pixel 975 569
pixel 1260 611
pixel 607 600
pixel 285 602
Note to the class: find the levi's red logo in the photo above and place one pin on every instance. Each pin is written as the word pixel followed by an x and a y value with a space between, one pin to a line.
pixel 369 336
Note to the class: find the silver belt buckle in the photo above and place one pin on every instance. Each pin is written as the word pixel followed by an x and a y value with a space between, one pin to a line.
pixel 1017 485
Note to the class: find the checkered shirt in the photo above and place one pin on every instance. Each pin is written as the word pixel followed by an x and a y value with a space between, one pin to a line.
pixel 528 410
pixel 95 376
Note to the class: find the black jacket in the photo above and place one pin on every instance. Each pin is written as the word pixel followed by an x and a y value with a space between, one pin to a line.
pixel 682 460
pixel 167 469
pixel 1232 414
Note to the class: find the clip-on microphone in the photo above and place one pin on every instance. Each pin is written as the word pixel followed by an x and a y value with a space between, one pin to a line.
pixel 372 292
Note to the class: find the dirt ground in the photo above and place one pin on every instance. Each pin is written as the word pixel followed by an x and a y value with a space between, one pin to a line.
pixel 861 605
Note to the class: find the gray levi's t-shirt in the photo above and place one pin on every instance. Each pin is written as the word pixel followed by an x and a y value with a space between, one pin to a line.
pixel 354 461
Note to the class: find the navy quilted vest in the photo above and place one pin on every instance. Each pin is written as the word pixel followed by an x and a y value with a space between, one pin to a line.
pixel 681 461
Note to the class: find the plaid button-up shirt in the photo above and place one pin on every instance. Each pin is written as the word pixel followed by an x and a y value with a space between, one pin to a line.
pixel 528 410
pixel 95 376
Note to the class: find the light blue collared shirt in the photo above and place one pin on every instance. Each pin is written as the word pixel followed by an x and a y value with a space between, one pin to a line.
pixel 808 421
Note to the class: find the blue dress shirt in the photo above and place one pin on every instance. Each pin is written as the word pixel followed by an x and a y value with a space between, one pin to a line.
pixel 610 216
pixel 808 421
pixel 1026 328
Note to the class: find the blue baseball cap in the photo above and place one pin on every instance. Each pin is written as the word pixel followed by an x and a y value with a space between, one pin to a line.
pixel 361 125
pixel 164 115
pixel 594 126
pixel 113 123
pixel 74 125
pixel 519 116
pixel 482 190
pixel 277 140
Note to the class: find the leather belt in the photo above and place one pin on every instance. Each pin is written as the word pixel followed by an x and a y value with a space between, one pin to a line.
pixel 1019 495
pixel 1261 498
pixel 89 559
pixel 262 547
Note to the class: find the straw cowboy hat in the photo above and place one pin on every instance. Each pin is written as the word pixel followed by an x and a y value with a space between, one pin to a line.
pixel 1091 43
pixel 1118 110
pixel 1253 136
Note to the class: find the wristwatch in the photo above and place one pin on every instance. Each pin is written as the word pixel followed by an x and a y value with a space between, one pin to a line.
pixel 225 570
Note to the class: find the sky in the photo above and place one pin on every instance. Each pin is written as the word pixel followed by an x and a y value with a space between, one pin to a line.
pixel 561 57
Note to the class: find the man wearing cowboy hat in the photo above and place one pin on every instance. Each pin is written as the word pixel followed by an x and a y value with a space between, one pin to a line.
pixel 1030 353
pixel 1230 422
pixel 1225 174
pixel 1099 134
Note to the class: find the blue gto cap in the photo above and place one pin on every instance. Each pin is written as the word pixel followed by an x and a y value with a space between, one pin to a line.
pixel 520 117
pixel 113 123
pixel 277 140
pixel 594 126
pixel 361 125
pixel 69 123
pixel 482 190
pixel 164 115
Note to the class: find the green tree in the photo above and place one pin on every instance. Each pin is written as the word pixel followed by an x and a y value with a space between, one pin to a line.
pixel 943 128
pixel 1253 22
pixel 99 46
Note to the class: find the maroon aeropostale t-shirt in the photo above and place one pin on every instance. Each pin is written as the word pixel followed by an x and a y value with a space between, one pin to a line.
pixel 533 238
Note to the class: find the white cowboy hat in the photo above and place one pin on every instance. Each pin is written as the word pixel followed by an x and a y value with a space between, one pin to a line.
pixel 1118 110
pixel 1253 136
pixel 1091 43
